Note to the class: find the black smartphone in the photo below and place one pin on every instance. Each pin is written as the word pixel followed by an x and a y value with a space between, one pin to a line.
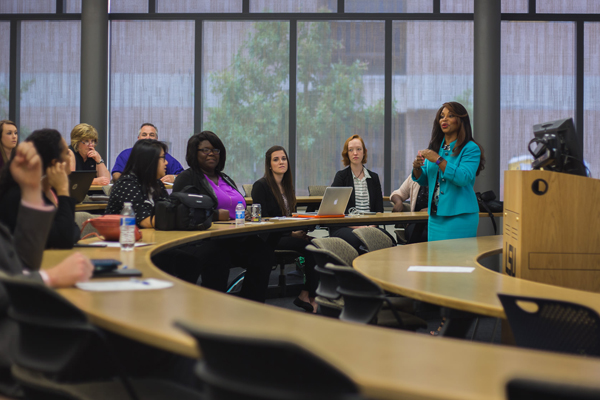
pixel 102 265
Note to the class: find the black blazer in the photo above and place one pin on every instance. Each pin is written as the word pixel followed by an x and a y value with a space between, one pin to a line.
pixel 344 178
pixel 263 195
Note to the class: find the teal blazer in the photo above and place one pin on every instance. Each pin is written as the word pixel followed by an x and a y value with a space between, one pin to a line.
pixel 456 183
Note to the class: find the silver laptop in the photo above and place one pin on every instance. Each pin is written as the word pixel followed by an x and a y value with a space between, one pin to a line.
pixel 335 200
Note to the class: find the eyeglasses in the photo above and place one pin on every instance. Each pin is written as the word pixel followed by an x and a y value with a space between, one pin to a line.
pixel 89 142
pixel 207 151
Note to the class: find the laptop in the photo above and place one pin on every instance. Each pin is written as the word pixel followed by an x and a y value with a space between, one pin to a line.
pixel 79 184
pixel 335 200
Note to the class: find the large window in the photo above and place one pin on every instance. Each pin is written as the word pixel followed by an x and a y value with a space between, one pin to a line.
pixel 4 68
pixel 245 91
pixel 50 76
pixel 151 80
pixel 432 64
pixel 538 84
pixel 340 85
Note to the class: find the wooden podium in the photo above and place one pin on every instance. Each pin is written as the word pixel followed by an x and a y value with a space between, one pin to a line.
pixel 552 228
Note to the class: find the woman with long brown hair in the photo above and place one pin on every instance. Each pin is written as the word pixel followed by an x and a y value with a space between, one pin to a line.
pixel 275 193
pixel 9 139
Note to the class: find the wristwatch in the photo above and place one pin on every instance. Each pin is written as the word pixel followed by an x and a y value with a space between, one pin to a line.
pixel 100 162
pixel 439 160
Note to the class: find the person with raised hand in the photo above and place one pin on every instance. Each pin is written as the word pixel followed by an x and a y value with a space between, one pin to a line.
pixel 54 154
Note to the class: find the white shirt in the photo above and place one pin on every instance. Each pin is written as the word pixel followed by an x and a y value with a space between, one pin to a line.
pixel 361 192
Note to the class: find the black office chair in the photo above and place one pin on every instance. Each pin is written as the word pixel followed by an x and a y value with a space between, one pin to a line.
pixel 60 355
pixel 554 325
pixel 527 389
pixel 328 299
pixel 250 368
pixel 363 300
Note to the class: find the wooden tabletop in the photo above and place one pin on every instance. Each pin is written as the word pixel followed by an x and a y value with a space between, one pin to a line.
pixel 475 292
pixel 385 363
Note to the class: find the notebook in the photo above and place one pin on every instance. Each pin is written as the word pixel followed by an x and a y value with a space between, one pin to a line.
pixel 335 200
pixel 79 184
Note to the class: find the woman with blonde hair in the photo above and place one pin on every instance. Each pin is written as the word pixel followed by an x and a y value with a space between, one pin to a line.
pixel 84 156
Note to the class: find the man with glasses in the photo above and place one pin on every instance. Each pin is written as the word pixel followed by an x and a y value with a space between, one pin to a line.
pixel 147 131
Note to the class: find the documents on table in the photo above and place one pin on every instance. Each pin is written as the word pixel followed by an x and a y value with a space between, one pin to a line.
pixel 460 270
pixel 130 284
pixel 114 244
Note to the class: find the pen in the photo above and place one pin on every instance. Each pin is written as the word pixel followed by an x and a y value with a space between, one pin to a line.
pixel 88 245
pixel 139 281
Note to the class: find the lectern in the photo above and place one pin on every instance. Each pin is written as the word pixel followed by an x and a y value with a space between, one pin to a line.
pixel 552 228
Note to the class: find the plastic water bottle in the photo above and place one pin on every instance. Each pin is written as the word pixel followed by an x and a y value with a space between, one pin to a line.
pixel 240 214
pixel 127 236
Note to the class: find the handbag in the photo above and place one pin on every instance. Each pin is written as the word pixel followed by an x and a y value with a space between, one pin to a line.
pixel 184 212
pixel 488 203
pixel 108 226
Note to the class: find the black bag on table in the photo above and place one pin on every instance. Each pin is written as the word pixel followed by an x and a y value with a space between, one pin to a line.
pixel 184 212
pixel 488 203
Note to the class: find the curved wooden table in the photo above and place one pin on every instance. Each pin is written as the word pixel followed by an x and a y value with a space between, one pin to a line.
pixel 475 292
pixel 385 363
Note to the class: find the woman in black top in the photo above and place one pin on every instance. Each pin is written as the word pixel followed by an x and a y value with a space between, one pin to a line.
pixel 140 183
pixel 84 156
pixel 275 193
pixel 357 176
pixel 206 156
pixel 53 151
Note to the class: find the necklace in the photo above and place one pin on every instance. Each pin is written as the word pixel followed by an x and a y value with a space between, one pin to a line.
pixel 362 172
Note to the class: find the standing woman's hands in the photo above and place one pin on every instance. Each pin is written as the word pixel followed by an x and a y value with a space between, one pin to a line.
pixel 58 178
pixel 417 164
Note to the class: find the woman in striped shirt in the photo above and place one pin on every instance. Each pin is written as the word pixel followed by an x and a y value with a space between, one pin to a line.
pixel 367 195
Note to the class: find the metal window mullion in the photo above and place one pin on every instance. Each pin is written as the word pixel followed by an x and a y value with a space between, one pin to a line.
pixel 292 93
pixel 14 84
pixel 198 76
pixel 387 124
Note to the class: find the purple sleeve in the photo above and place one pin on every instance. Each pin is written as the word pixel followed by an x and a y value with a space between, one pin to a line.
pixel 121 161
pixel 173 167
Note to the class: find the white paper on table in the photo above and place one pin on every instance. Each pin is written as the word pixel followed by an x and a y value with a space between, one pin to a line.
pixel 116 244
pixel 132 284
pixel 421 268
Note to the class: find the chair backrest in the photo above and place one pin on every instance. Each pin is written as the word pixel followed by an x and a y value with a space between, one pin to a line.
pixel 373 238
pixel 236 367
pixel 80 218
pixel 247 189
pixel 362 297
pixel 316 190
pixel 338 249
pixel 552 325
pixel 526 389
pixel 55 337
pixel 327 281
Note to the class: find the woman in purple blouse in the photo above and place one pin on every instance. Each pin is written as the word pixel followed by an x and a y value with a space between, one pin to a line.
pixel 206 156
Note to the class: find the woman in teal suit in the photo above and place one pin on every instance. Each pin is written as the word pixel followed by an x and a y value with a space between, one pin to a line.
pixel 449 167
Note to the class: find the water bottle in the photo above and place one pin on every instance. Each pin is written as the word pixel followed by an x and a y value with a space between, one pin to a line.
pixel 240 214
pixel 127 236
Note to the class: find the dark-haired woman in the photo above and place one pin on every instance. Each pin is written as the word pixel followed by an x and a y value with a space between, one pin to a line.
pixel 140 183
pixel 9 139
pixel 275 193
pixel 206 156
pixel 54 153
pixel 449 166
pixel 366 196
